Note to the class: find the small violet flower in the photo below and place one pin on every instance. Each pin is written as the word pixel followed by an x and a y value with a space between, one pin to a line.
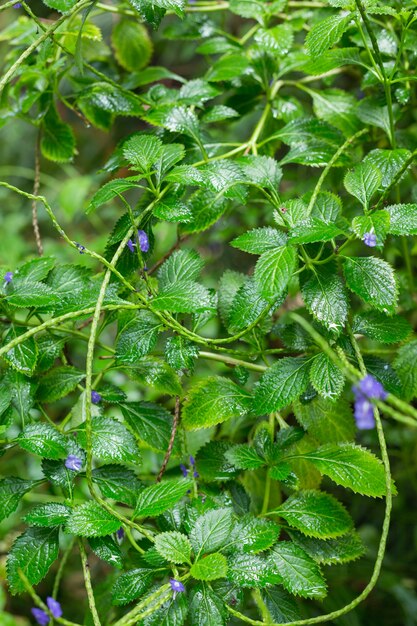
pixel 184 470
pixel 364 414
pixel 95 397
pixel 196 474
pixel 73 463
pixel 120 533
pixel 176 585
pixel 40 616
pixel 54 607
pixel 369 239
pixel 192 461
pixel 18 5
pixel 131 245
pixel 8 277
pixel 81 248
pixel 371 388
pixel 367 388
pixel 143 241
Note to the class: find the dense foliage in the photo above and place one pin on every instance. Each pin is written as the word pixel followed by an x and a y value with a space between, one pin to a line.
pixel 195 365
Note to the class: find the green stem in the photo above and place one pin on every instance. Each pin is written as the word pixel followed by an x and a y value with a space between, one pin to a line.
pixel 87 582
pixel 231 361
pixel 330 164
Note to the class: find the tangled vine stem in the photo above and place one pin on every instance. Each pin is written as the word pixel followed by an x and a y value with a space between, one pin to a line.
pixel 171 439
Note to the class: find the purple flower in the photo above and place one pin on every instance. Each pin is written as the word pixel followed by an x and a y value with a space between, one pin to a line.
pixel 120 533
pixel 184 470
pixel 8 277
pixel 81 248
pixel 131 245
pixel 371 388
pixel 73 463
pixel 17 5
pixel 196 474
pixel 192 461
pixel 176 585
pixel 143 241
pixel 364 413
pixel 369 239
pixel 54 607
pixel 40 616
pixel 95 397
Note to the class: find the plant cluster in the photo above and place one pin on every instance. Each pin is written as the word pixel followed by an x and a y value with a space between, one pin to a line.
pixel 191 421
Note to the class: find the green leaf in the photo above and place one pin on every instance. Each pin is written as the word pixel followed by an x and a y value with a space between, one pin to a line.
pixel 117 482
pixel 132 45
pixel 174 547
pixel 50 515
pixel 337 107
pixel 131 585
pixel 316 514
pixel 252 570
pixel 185 296
pixel 22 357
pixel 281 606
pixel 262 171
pixel 150 423
pixel 383 328
pixel 138 337
pixel 326 33
pixel 373 280
pixel 212 401
pixel 172 613
pixel 107 550
pixel 156 499
pixel 157 373
pixel 363 182
pixel 207 608
pixel 403 219
pixel 325 297
pixel 58 383
pixel 253 535
pixel 332 551
pixel 313 229
pixel 282 383
pixel 181 265
pixel 111 441
pixel 60 5
pixel 326 420
pixel 33 553
pixel 326 378
pixel 102 101
pixel 327 207
pixel 405 365
pixel 350 466
pixel 142 151
pixel 91 520
pixel 12 489
pixel 388 162
pixel 244 457
pixel 247 306
pixel 372 111
pixel 43 440
pixel 274 270
pixel 377 222
pixel 58 141
pixel 181 354
pixel 110 190
pixel 211 531
pixel 31 294
pixel 211 567
pixel 259 240
pixel 276 40
pixel 300 574
pixel 228 67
